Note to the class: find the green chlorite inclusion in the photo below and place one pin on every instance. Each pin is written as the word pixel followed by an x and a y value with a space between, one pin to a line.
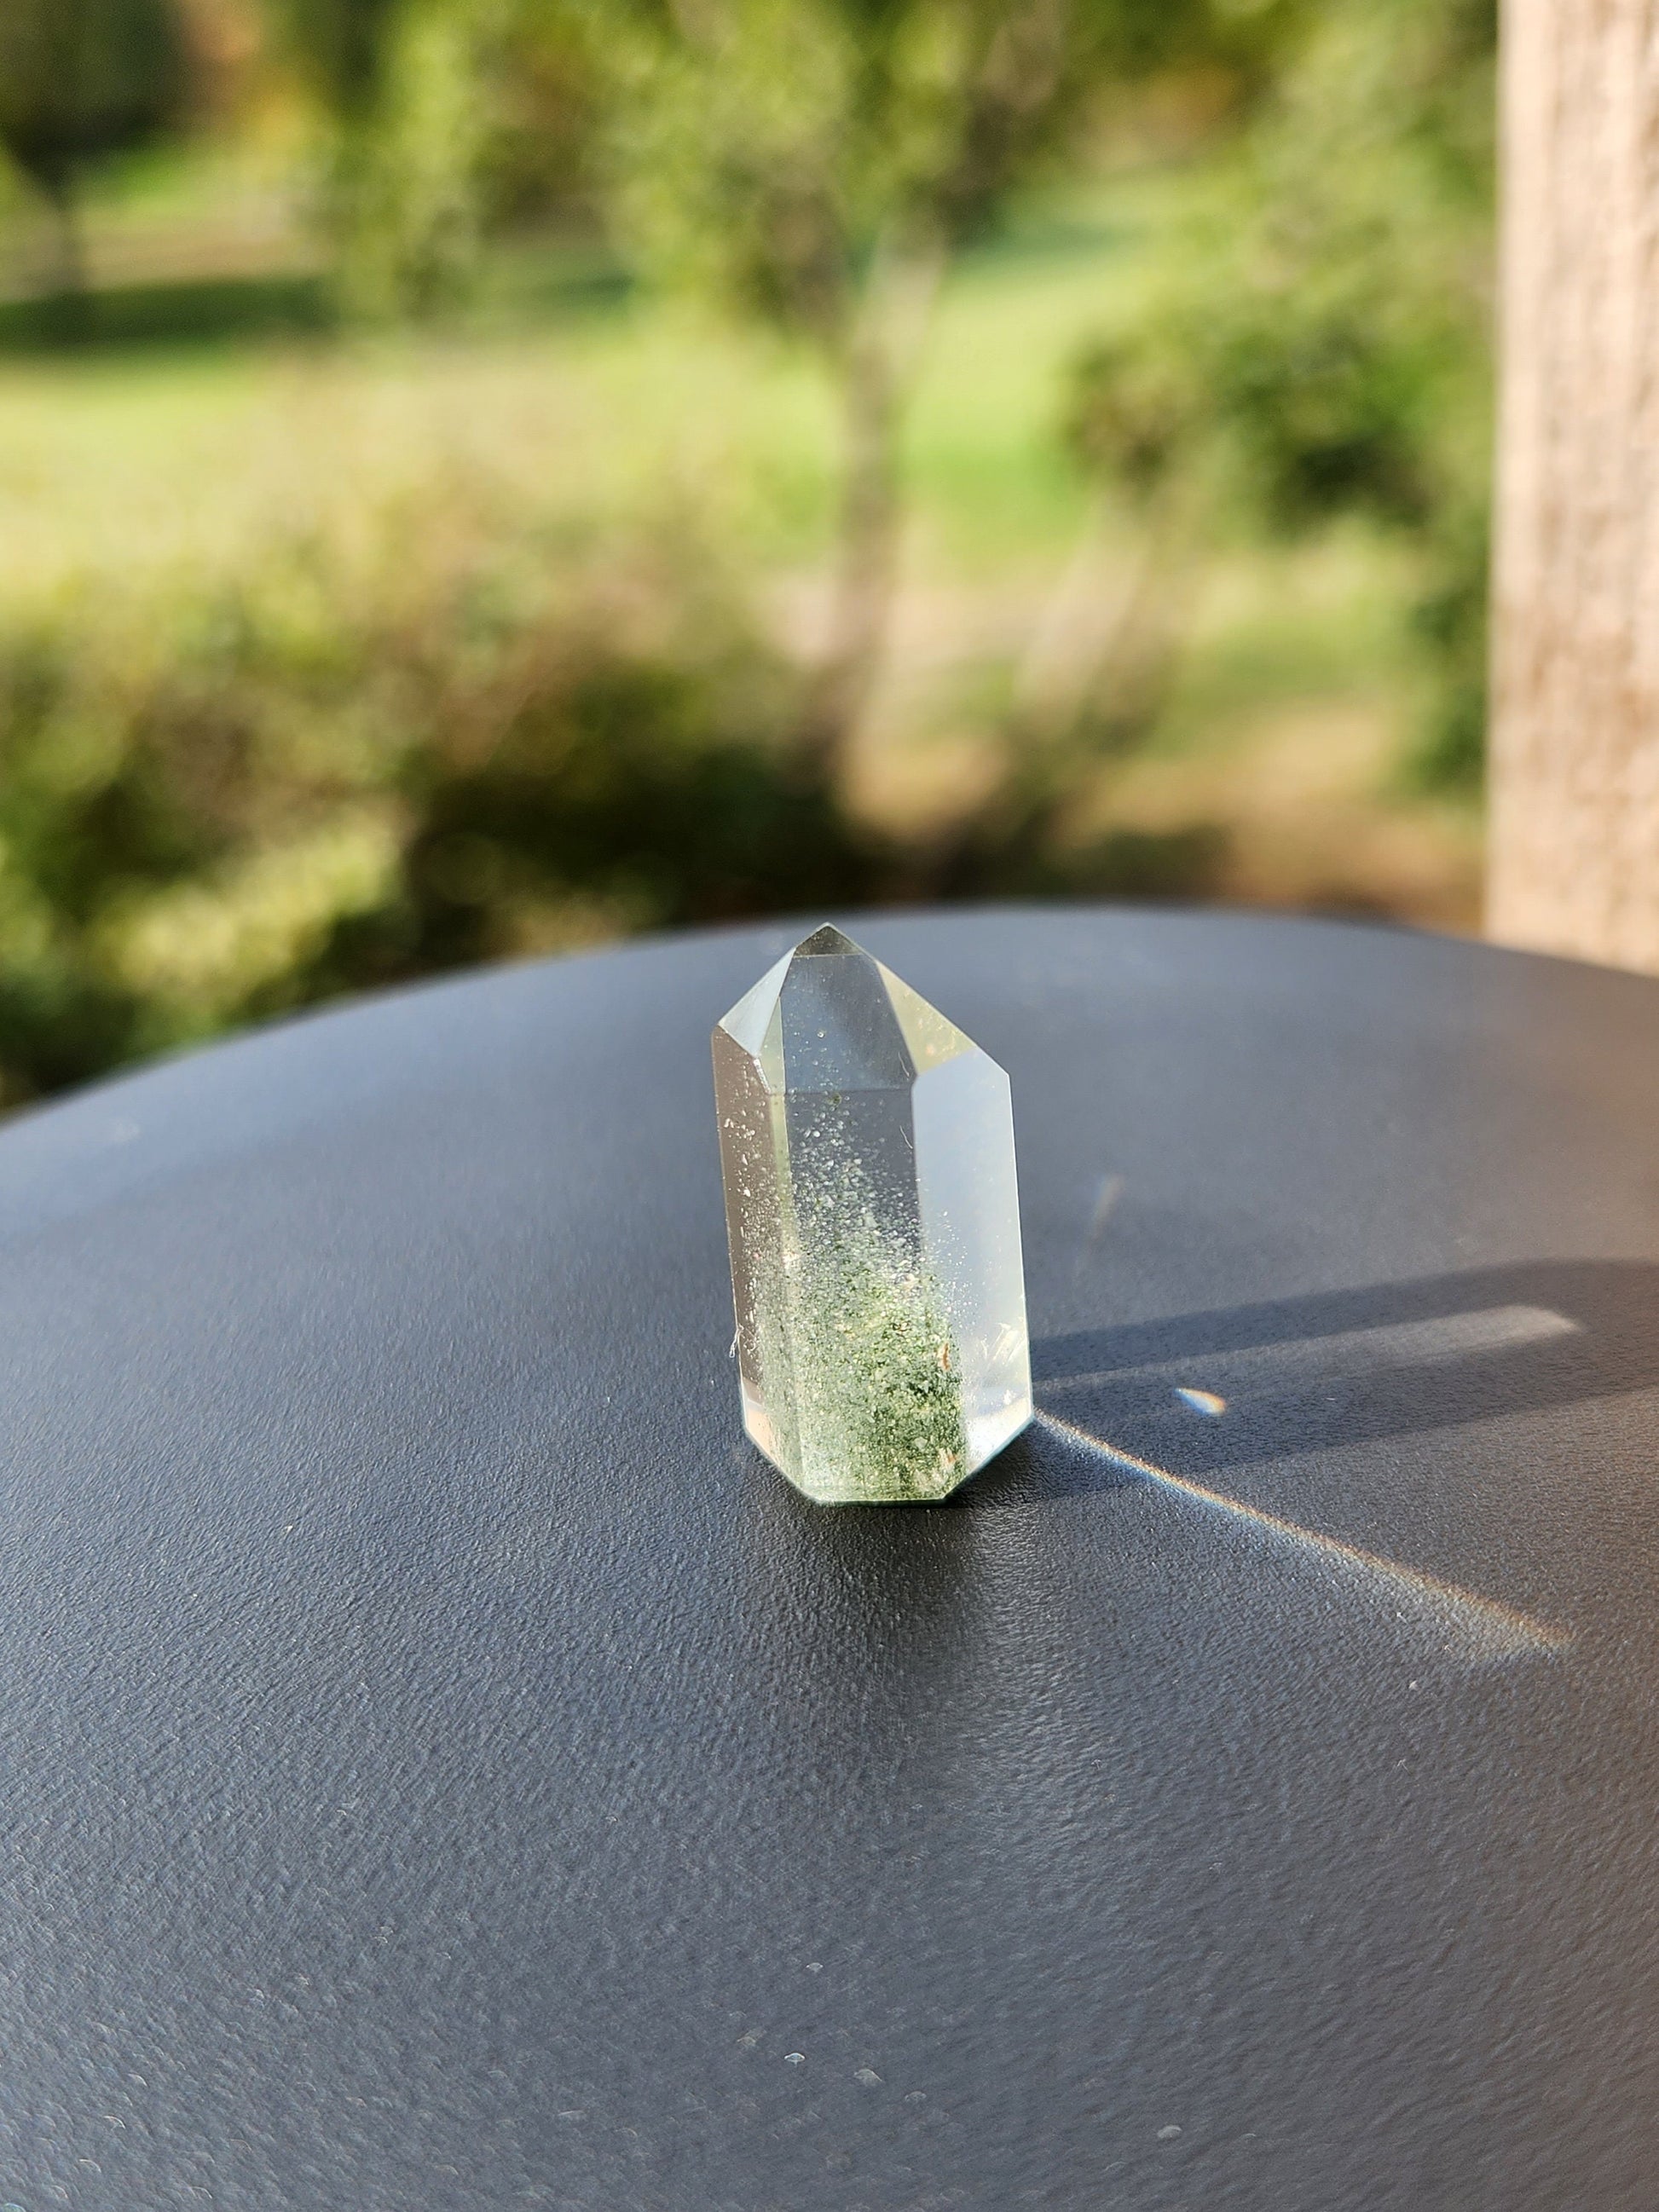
pixel 868 1147
pixel 877 1389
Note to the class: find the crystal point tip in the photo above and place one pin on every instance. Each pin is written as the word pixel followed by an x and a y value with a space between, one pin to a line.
pixel 828 938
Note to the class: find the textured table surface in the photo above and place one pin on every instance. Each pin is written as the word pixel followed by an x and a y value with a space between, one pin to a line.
pixel 442 1767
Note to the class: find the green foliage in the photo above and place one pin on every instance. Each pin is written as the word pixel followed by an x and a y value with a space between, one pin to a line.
pixel 80 79
pixel 1319 348
pixel 404 194
pixel 770 150
pixel 235 795
pixel 1141 408
pixel 444 117
pixel 344 46
pixel 535 161
pixel 399 83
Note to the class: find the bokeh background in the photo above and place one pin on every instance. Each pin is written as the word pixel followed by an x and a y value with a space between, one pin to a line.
pixel 480 476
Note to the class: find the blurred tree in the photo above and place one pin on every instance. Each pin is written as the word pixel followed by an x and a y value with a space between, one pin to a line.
pixel 446 116
pixel 1573 835
pixel 816 163
pixel 536 162
pixel 399 83
pixel 79 79
pixel 1320 343
pixel 344 46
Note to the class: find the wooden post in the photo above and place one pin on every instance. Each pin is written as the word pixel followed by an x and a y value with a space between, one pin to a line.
pixel 1574 855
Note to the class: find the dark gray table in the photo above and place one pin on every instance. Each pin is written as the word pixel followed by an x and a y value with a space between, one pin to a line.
pixel 441 1766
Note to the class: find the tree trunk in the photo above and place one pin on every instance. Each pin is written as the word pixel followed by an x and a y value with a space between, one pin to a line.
pixel 878 373
pixel 1106 638
pixel 66 299
pixel 1575 745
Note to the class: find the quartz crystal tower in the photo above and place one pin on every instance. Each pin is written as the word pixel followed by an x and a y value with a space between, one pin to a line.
pixel 868 1152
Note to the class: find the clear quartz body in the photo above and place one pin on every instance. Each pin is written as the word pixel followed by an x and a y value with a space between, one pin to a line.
pixel 867 1148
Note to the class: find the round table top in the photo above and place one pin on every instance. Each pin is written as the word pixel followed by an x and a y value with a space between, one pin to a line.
pixel 444 1767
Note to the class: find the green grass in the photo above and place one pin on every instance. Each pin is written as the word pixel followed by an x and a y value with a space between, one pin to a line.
pixel 163 371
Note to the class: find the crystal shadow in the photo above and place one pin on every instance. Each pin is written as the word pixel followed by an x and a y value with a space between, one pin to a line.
pixel 1336 1369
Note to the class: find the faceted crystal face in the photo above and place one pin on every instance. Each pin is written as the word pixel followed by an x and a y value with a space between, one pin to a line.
pixel 868 1152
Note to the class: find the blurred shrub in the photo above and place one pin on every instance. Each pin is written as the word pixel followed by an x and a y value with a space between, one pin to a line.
pixel 221 797
pixel 443 736
pixel 400 85
pixel 446 120
pixel 1318 347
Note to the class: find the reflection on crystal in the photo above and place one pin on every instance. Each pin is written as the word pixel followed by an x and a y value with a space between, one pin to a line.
pixel 868 1152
